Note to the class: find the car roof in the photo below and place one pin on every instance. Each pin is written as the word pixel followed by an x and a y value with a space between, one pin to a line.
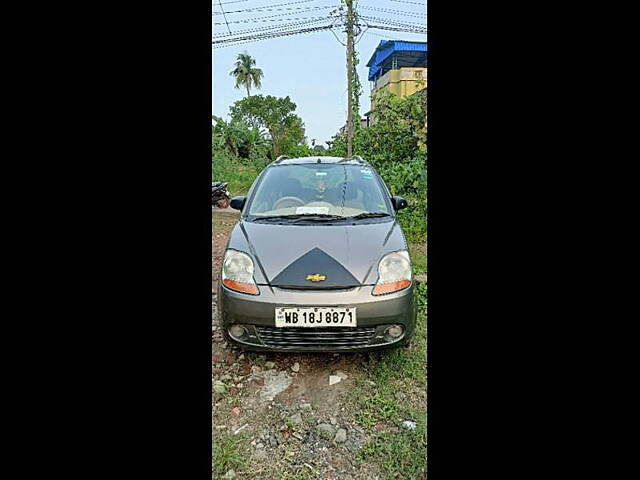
pixel 356 160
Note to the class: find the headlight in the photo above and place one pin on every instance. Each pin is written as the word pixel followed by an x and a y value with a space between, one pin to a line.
pixel 237 272
pixel 394 273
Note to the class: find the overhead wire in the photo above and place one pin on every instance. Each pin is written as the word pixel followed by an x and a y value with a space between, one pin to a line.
pixel 393 22
pixel 235 1
pixel 409 3
pixel 285 29
pixel 267 18
pixel 266 36
pixel 273 27
pixel 271 8
pixel 399 29
pixel 225 17
pixel 392 11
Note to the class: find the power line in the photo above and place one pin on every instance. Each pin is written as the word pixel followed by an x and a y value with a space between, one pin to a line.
pixel 386 37
pixel 285 29
pixel 388 10
pixel 299 9
pixel 225 17
pixel 273 27
pixel 266 36
pixel 391 21
pixel 409 3
pixel 399 29
pixel 229 42
pixel 270 8
pixel 235 1
pixel 267 19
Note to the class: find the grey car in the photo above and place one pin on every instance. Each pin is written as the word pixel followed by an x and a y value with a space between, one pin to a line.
pixel 318 261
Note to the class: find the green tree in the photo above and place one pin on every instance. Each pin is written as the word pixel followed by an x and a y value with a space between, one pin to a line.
pixel 238 139
pixel 275 115
pixel 395 145
pixel 245 74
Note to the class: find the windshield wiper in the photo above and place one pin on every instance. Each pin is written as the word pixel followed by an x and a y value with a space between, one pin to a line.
pixel 300 216
pixel 369 215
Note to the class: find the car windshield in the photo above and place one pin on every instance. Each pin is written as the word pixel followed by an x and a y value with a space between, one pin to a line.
pixel 331 190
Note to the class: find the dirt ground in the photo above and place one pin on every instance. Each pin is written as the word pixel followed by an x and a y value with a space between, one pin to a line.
pixel 276 414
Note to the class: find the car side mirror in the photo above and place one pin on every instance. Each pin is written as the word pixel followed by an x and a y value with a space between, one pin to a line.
pixel 237 203
pixel 399 203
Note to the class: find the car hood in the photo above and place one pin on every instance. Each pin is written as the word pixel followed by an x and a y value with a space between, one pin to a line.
pixel 347 255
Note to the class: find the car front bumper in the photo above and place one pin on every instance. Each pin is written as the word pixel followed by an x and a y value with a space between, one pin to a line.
pixel 374 314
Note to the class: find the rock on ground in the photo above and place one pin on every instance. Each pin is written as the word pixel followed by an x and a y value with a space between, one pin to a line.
pixel 295 420
pixel 274 383
pixel 325 431
pixel 409 424
pixel 341 435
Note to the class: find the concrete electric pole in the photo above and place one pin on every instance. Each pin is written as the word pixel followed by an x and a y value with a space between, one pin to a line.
pixel 349 77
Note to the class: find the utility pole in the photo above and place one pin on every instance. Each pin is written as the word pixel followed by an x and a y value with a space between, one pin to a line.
pixel 349 77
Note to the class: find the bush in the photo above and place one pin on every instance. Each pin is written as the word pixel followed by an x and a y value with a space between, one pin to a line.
pixel 394 145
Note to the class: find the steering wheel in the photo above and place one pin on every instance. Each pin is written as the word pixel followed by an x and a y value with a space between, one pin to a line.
pixel 278 205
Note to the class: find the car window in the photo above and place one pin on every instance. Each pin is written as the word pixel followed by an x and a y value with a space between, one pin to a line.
pixel 333 189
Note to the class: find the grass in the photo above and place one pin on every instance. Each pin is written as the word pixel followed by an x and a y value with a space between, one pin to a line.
pixel 399 453
pixel 298 472
pixel 228 454
pixel 413 220
pixel 239 175
pixel 418 254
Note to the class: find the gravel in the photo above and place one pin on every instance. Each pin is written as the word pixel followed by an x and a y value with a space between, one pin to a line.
pixel 295 420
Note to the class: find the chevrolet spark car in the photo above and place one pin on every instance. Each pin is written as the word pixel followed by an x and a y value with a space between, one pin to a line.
pixel 318 261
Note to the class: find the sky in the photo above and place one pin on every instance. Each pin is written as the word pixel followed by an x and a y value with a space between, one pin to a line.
pixel 310 68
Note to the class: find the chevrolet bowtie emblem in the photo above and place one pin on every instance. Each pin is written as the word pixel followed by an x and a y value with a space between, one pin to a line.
pixel 316 277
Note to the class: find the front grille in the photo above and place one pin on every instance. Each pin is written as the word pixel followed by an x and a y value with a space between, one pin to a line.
pixel 333 337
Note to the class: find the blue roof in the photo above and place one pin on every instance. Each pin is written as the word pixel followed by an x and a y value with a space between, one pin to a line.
pixel 388 47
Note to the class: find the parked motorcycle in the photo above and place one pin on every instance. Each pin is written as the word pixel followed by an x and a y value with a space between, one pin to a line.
pixel 219 194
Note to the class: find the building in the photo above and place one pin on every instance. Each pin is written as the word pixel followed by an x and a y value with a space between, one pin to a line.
pixel 398 66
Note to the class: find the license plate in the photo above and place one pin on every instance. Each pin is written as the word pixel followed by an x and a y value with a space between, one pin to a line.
pixel 316 317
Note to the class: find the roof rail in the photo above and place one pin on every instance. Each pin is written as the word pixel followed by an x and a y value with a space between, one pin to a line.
pixel 280 158
pixel 355 157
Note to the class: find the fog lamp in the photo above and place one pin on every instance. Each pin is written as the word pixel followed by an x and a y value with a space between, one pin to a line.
pixel 237 331
pixel 394 331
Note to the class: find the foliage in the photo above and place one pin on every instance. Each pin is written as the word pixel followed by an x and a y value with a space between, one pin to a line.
pixel 399 453
pixel 275 115
pixel 395 145
pixel 260 128
pixel 240 175
pixel 245 73
pixel 228 453
pixel 239 139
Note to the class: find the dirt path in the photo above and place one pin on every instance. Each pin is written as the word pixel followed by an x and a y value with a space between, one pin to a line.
pixel 276 415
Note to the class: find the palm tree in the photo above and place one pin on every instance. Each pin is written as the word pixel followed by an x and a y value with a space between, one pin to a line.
pixel 245 74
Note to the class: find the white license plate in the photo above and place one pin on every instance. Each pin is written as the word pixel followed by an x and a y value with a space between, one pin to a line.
pixel 316 317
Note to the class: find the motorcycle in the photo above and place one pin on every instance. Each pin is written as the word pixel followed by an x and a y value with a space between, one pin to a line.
pixel 219 194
